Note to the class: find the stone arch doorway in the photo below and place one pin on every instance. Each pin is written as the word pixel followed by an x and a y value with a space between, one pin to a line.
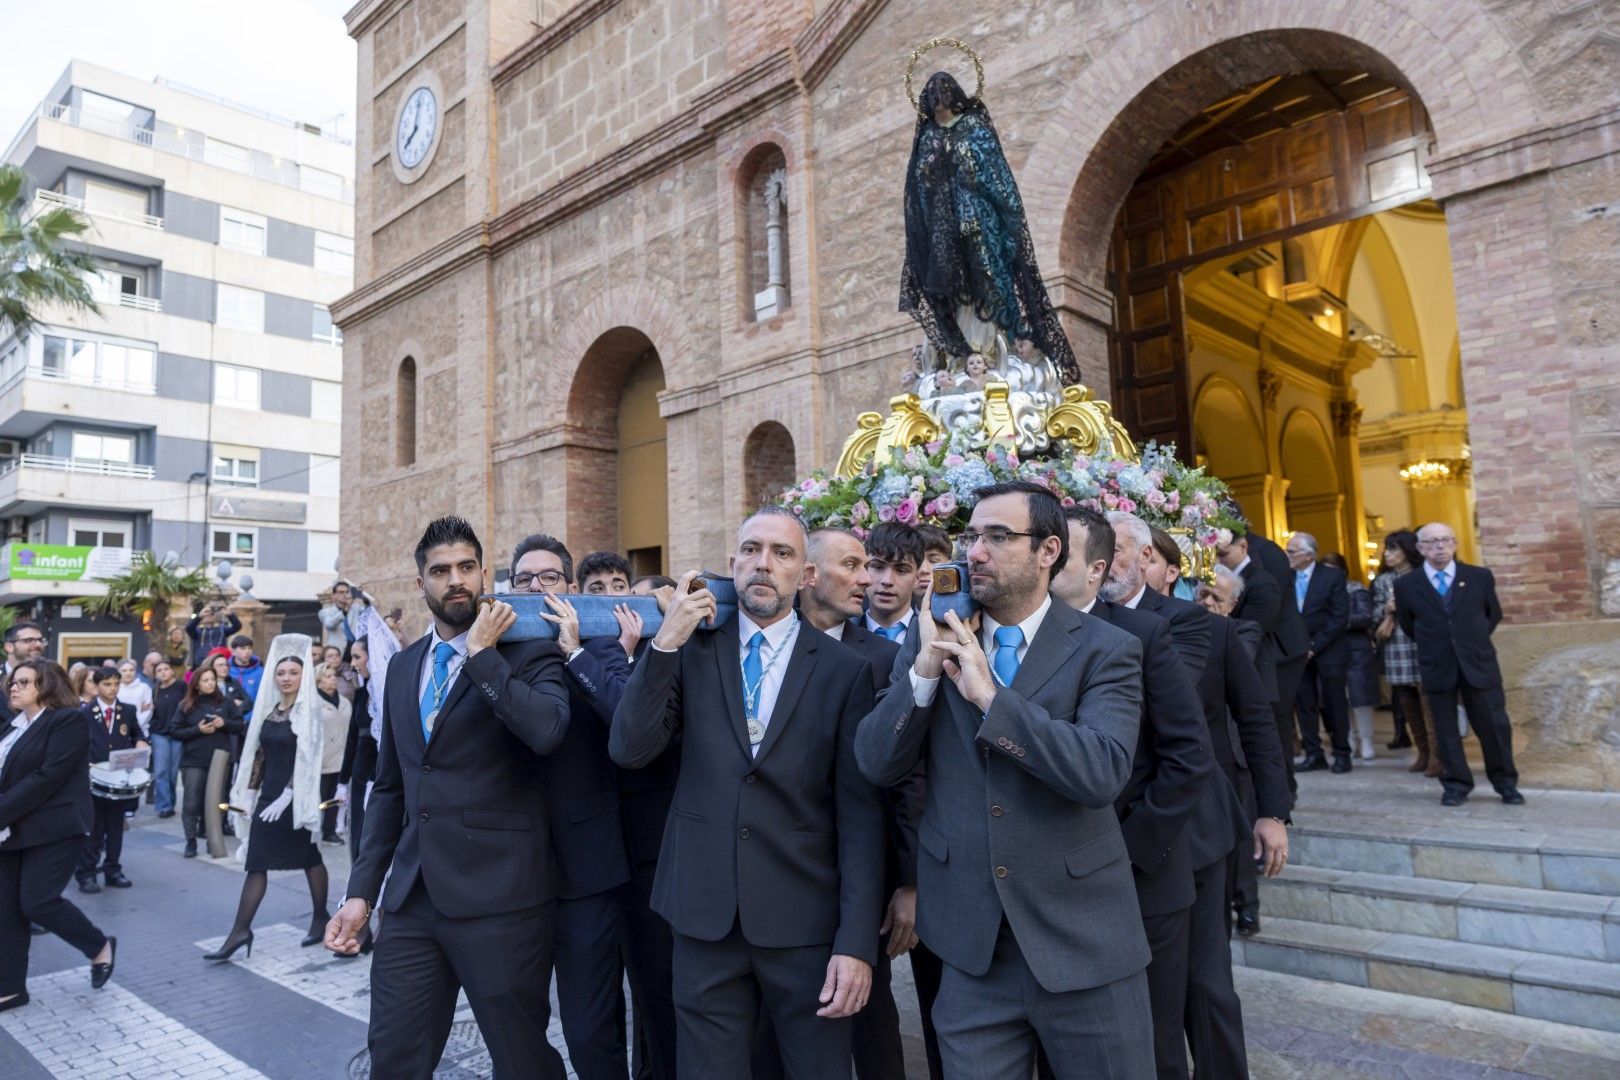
pixel 619 441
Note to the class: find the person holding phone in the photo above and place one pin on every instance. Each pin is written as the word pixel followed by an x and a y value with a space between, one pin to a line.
pixel 208 721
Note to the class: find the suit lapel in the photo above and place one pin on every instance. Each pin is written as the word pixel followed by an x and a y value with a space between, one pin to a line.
pixel 727 653
pixel 402 689
pixel 794 680
pixel 1053 645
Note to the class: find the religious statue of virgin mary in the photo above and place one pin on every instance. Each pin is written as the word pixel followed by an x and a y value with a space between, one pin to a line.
pixel 970 265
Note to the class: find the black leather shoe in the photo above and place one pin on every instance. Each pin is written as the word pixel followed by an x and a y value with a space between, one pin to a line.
pixel 37 930
pixel 1248 923
pixel 117 880
pixel 166 814
pixel 1312 763
pixel 91 886
pixel 191 849
pixel 100 973
pixel 1341 763
pixel 16 1001
pixel 1512 797
pixel 1402 743
pixel 1453 798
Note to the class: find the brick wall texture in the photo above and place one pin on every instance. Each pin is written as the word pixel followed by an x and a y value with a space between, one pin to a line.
pixel 588 202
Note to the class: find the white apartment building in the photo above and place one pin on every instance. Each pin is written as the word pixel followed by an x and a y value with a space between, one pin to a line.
pixel 198 413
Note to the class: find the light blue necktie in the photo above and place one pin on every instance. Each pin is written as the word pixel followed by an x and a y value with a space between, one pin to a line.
pixel 753 672
pixel 1440 585
pixel 895 632
pixel 1008 638
pixel 441 679
pixel 1302 581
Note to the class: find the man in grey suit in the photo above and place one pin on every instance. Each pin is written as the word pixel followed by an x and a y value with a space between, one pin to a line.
pixel 1024 882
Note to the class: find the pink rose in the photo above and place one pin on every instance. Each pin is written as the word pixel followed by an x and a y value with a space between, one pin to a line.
pixel 808 485
pixel 930 508
pixel 860 533
pixel 1127 504
pixel 1110 500
pixel 1155 499
pixel 906 512
pixel 945 505
pixel 952 460
pixel 860 511
pixel 933 447
pixel 799 510
pixel 1067 502
pixel 885 513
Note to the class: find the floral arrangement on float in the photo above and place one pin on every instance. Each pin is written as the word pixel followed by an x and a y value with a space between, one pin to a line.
pixel 933 483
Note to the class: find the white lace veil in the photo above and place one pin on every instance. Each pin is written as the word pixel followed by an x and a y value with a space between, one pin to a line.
pixel 306 726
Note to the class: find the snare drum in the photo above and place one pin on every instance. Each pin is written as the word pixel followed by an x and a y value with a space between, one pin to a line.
pixel 109 783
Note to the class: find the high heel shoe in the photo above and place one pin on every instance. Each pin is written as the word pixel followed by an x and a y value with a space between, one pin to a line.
pixel 15 1001
pixel 100 973
pixel 317 931
pixel 228 950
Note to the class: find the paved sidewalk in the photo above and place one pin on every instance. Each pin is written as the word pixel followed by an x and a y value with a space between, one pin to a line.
pixel 289 1013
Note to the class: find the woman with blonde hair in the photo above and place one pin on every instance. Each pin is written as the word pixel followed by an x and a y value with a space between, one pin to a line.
pixel 280 792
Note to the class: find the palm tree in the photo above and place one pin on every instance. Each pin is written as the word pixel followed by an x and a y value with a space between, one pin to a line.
pixel 37 267
pixel 147 586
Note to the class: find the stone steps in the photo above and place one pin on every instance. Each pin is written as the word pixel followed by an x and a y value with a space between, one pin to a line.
pixel 1569 859
pixel 1526 983
pixel 1580 925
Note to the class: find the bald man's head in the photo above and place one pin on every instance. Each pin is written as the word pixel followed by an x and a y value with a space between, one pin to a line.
pixel 1438 543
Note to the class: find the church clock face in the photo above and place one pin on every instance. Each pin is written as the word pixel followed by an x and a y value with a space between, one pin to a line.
pixel 417 129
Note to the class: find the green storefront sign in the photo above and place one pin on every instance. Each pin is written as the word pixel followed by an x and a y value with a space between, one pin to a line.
pixel 63 562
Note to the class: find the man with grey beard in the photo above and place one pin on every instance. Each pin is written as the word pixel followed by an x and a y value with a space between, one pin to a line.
pixel 771 870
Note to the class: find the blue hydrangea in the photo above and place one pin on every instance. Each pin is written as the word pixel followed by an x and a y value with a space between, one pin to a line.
pixel 968 477
pixel 891 487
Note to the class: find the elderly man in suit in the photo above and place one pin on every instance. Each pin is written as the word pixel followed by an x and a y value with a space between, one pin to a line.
pixel 1127 586
pixel 1449 609
pixel 1028 717
pixel 1170 774
pixel 772 867
pixel 1320 597
pixel 458 823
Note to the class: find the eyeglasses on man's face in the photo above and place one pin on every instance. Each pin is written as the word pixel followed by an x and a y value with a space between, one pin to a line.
pixel 994 538
pixel 35 640
pixel 1438 541
pixel 546 579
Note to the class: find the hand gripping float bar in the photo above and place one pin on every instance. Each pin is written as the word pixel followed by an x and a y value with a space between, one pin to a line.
pixel 596 611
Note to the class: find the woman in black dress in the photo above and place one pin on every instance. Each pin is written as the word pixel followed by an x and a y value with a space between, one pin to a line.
pixel 44 816
pixel 207 721
pixel 284 745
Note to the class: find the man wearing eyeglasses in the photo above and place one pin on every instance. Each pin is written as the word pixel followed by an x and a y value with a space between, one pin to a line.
pixel 24 641
pixel 1028 716
pixel 587 834
pixel 1449 608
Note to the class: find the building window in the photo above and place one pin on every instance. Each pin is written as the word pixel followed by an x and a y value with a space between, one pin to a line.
pixel 241 231
pixel 326 401
pixel 240 309
pixel 323 553
pixel 115 201
pixel 102 363
pixel 89 532
pixel 227 155
pixel 334 254
pixel 323 329
pixel 325 475
pixel 235 465
pixel 237 545
pixel 405 413
pixel 94 446
pixel 237 387
pixel 320 182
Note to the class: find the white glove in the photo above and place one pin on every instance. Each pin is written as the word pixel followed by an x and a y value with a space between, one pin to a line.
pixel 277 808
pixel 343 794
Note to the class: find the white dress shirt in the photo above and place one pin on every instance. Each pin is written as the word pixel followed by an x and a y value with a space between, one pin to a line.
pixel 19 724
pixel 837 631
pixel 774 656
pixel 458 643
pixel 923 690
pixel 1137 599
pixel 1449 570
pixel 1238 569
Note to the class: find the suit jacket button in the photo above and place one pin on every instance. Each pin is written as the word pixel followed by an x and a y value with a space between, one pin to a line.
pixel 427 768
pixel 749 779
pixel 424 815
pixel 743 834
pixel 1001 871
pixel 996 811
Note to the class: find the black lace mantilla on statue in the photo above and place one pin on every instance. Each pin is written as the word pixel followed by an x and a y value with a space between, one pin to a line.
pixel 967 240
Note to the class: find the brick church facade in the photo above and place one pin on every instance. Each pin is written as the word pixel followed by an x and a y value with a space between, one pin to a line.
pixel 595 215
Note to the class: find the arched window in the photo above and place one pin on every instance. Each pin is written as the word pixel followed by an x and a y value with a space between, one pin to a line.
pixel 405 413
pixel 768 465
pixel 765 200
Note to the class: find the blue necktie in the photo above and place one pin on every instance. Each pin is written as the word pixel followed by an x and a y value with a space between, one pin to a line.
pixel 440 678
pixel 895 632
pixel 753 672
pixel 1008 638
pixel 1302 581
pixel 1440 585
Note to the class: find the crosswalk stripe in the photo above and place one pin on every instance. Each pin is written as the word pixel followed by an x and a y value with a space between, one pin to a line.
pixel 131 1037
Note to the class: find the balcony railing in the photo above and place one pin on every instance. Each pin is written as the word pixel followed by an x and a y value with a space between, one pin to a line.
pixel 77 465
pixel 38 371
pixel 287 174
pixel 52 199
pixel 140 303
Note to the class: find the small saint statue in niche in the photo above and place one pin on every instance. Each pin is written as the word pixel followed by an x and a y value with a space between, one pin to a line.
pixel 969 257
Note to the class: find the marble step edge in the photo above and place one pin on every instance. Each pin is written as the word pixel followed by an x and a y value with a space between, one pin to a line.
pixel 1507 860
pixel 1506 898
pixel 1470 833
pixel 1490 962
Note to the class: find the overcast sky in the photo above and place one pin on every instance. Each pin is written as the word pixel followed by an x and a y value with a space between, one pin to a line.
pixel 289 57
